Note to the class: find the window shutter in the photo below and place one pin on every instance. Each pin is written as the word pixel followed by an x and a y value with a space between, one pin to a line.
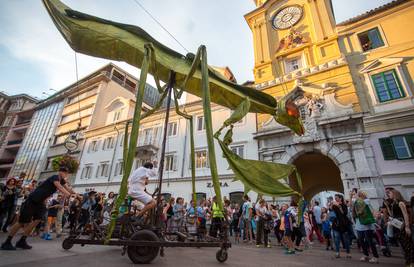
pixel 410 141
pixel 83 173
pixel 174 162
pixel 98 143
pixel 387 149
pixel 97 171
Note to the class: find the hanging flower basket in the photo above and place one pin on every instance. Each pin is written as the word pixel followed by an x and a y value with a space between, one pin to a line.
pixel 65 161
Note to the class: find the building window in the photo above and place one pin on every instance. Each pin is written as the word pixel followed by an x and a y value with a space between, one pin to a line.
pixel 387 86
pixel 293 64
pixel 236 197
pixel 172 129
pixel 119 168
pixel 200 197
pixel 117 115
pixel 121 141
pixel 370 39
pixel 201 159
pixel 170 162
pixel 109 143
pixel 103 170
pixel 398 147
pixel 86 172
pixel 93 146
pixel 200 123
pixel 238 150
pixel 8 121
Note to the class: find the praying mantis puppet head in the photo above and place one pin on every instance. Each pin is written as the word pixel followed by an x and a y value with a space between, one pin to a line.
pixel 288 114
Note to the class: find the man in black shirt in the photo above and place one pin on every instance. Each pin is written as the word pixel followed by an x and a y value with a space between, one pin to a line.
pixel 34 208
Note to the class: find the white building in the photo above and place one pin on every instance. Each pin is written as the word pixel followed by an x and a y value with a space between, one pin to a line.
pixel 101 161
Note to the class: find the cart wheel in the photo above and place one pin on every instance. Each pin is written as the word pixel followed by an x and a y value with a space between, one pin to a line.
pixel 67 244
pixel 221 255
pixel 138 254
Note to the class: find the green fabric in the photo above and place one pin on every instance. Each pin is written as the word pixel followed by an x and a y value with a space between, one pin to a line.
pixel 363 212
pixel 111 40
pixel 265 178
pixel 106 39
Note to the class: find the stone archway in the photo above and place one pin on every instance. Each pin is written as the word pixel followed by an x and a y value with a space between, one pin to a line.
pixel 319 173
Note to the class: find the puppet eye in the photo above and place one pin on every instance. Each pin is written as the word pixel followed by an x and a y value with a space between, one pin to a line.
pixel 292 109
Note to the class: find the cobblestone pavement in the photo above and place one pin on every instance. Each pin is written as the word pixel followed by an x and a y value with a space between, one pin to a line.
pixel 50 253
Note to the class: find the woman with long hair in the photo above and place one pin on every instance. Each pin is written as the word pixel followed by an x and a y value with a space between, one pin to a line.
pixel 339 218
pixel 398 211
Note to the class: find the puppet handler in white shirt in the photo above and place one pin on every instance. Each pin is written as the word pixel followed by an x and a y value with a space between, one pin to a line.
pixel 137 182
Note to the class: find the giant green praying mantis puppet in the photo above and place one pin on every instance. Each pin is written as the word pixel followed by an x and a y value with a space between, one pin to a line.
pixel 115 41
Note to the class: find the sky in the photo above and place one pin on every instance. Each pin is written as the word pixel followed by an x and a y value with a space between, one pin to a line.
pixel 35 59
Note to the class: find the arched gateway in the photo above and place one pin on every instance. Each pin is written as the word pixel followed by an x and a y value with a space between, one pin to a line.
pixel 319 173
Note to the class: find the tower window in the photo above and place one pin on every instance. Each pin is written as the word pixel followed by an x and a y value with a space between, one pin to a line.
pixel 293 64
pixel 370 39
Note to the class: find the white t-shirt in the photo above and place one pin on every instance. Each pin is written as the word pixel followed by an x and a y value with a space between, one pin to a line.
pixel 317 211
pixel 136 181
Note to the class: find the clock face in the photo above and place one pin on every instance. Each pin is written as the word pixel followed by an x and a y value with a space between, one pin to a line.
pixel 287 17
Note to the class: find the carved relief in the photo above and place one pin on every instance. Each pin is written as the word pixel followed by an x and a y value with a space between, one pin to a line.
pixel 292 40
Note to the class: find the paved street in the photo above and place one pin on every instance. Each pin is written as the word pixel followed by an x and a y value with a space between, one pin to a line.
pixel 50 253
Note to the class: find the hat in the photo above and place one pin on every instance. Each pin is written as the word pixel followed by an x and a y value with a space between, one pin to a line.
pixel 63 169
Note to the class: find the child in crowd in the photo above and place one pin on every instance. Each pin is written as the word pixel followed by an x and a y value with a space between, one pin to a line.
pixel 326 229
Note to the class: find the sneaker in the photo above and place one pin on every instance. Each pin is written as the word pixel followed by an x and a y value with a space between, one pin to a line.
pixel 337 255
pixel 269 246
pixel 298 250
pixel 364 258
pixel 348 256
pixel 373 260
pixel 290 252
pixel 23 244
pixel 48 237
pixel 4 230
pixel 7 246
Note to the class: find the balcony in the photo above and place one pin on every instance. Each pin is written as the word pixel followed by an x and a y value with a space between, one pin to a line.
pixel 15 142
pixel 147 147
pixel 6 164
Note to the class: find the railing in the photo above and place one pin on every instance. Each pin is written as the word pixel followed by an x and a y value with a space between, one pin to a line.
pixel 22 122
pixel 6 161
pixel 15 142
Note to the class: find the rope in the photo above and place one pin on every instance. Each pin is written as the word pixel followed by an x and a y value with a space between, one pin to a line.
pixel 159 23
pixel 77 87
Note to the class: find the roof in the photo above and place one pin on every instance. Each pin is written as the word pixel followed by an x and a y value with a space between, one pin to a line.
pixel 373 12
pixel 151 96
pixel 10 97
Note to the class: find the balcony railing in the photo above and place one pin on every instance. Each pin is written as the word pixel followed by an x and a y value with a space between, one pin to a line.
pixel 22 122
pixel 15 142
pixel 6 161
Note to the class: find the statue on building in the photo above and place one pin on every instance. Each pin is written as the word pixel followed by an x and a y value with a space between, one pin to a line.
pixel 314 107
pixel 292 40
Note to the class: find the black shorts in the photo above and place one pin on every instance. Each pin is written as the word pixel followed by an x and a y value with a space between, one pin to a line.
pixel 31 211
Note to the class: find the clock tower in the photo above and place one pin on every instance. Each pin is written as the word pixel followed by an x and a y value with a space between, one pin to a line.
pixel 298 56
pixel 286 30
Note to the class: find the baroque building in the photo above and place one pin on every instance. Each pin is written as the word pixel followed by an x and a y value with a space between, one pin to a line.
pixel 329 70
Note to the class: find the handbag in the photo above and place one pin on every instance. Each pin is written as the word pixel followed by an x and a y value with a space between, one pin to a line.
pixel 396 223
